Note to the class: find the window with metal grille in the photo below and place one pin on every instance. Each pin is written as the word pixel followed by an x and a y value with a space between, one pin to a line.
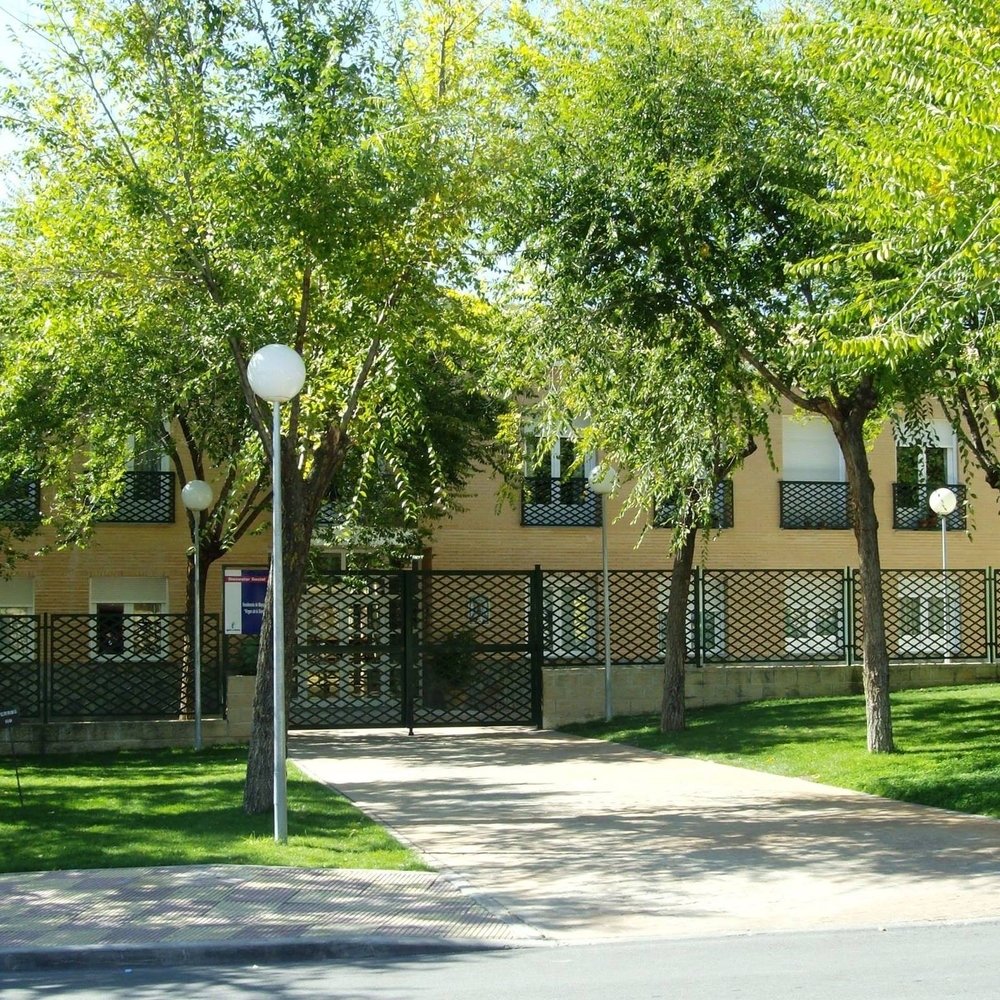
pixel 555 491
pixel 925 460
pixel 813 618
pixel 929 613
pixel 570 620
pixel 712 603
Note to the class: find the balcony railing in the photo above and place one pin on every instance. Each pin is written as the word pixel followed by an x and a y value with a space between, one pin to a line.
pixel 19 501
pixel 911 509
pixel 814 505
pixel 559 503
pixel 665 515
pixel 146 498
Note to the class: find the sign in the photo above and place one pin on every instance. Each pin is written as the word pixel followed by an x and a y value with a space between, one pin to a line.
pixel 8 716
pixel 243 593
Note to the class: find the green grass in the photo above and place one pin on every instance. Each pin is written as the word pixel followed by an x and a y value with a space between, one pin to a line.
pixel 948 742
pixel 173 807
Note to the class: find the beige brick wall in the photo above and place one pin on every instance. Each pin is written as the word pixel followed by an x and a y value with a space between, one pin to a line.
pixel 62 577
pixel 484 538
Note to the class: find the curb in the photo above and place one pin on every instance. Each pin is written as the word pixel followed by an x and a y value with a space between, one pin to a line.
pixel 240 952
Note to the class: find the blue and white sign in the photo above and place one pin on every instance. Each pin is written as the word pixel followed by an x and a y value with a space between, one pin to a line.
pixel 243 592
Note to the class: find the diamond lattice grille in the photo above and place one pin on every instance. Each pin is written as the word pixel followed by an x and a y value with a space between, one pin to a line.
pixel 559 503
pixel 815 505
pixel 20 664
pixel 146 497
pixel 130 666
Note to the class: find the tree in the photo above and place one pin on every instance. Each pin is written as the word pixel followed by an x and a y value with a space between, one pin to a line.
pixel 672 169
pixel 916 87
pixel 272 171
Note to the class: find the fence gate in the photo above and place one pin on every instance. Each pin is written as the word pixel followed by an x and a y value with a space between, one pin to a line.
pixel 418 647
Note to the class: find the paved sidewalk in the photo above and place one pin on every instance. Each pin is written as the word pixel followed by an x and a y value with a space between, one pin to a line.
pixel 537 837
pixel 171 916
pixel 584 840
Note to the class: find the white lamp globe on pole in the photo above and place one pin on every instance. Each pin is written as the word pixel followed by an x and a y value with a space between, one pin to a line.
pixel 603 483
pixel 196 497
pixel 277 373
pixel 943 501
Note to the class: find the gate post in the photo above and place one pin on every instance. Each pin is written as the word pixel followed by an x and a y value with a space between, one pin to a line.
pixel 991 615
pixel 43 650
pixel 408 592
pixel 535 642
pixel 848 616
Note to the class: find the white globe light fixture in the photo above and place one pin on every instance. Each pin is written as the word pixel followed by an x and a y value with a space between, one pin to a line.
pixel 603 483
pixel 196 497
pixel 277 373
pixel 943 501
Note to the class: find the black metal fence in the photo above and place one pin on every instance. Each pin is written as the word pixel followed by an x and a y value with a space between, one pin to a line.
pixel 86 667
pixel 768 616
pixel 418 648
pixel 386 647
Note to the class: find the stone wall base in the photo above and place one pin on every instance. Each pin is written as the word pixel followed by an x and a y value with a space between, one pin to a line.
pixel 576 694
pixel 77 737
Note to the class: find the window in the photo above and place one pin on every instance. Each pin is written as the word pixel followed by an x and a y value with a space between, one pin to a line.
pixel 713 617
pixel 925 460
pixel 928 617
pixel 555 489
pixel 813 618
pixel 128 621
pixel 570 620
pixel 814 493
pixel 810 453
pixel 552 474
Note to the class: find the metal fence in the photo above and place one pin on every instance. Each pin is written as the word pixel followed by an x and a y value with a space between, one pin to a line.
pixel 108 666
pixel 768 616
pixel 418 648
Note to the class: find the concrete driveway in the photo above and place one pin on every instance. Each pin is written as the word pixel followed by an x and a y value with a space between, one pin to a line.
pixel 582 839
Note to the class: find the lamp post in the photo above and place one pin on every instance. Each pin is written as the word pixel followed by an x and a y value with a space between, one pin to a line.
pixel 276 373
pixel 943 501
pixel 196 497
pixel 603 484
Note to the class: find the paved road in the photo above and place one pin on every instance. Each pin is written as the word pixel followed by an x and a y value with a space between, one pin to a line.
pixel 586 840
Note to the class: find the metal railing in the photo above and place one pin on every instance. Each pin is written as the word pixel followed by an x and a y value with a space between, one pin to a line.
pixel 146 498
pixel 722 511
pixel 559 503
pixel 85 667
pixel 816 505
pixel 20 501
pixel 911 507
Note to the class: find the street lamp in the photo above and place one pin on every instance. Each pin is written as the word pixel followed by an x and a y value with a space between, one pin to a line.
pixel 604 483
pixel 943 501
pixel 276 373
pixel 196 497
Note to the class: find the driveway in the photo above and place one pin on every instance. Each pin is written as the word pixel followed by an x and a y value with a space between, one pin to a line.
pixel 582 839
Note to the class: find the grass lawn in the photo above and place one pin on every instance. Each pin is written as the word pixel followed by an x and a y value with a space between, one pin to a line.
pixel 948 741
pixel 173 807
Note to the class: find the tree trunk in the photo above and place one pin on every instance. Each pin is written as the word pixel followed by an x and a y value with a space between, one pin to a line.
pixel 875 665
pixel 672 707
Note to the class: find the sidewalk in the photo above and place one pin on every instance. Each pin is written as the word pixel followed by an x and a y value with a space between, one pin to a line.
pixel 537 837
pixel 173 916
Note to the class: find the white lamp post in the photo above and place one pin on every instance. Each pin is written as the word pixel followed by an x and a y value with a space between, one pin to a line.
pixel 196 497
pixel 943 501
pixel 603 484
pixel 276 373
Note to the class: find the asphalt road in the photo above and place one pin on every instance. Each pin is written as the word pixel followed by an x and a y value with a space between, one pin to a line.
pixel 918 962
